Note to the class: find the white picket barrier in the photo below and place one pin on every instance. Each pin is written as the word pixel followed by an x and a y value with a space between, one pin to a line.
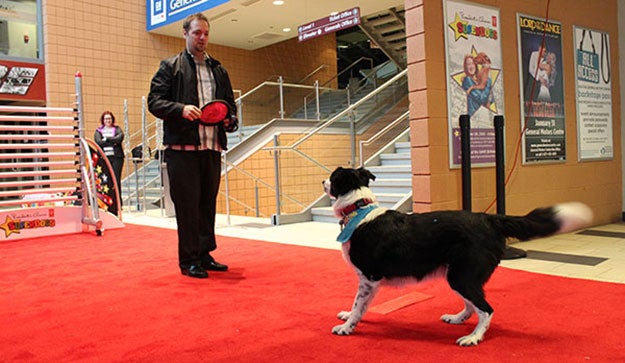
pixel 47 182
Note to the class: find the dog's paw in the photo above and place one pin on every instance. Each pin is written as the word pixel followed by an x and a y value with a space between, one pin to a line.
pixel 343 329
pixel 470 340
pixel 455 318
pixel 344 315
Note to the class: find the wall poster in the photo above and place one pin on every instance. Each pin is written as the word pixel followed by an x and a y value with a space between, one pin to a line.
pixel 474 77
pixel 593 88
pixel 542 90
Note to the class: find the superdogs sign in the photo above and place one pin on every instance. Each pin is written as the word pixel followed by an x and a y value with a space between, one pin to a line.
pixel 30 220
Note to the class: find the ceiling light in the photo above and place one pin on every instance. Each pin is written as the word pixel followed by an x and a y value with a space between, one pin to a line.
pixel 286 30
pixel 278 2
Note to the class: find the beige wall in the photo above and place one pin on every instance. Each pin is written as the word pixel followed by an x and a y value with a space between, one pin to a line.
pixel 435 186
pixel 107 42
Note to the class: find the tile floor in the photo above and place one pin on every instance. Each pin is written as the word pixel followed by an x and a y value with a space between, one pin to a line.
pixel 596 253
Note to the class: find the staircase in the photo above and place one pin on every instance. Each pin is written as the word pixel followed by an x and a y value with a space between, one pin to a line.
pixel 368 112
pixel 153 184
pixel 388 31
pixel 392 184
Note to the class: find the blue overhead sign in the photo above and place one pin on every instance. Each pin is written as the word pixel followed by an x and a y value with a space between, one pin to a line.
pixel 164 12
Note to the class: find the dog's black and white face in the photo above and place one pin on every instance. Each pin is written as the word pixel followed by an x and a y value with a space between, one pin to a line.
pixel 342 181
pixel 347 186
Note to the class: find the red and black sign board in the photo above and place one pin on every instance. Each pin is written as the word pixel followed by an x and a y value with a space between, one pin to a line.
pixel 21 81
pixel 333 23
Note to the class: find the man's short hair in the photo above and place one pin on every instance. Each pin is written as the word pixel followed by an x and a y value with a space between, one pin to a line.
pixel 186 24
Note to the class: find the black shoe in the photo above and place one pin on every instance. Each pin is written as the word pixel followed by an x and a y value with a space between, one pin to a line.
pixel 214 266
pixel 194 271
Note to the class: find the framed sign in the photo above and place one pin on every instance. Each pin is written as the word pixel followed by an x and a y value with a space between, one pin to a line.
pixel 593 88
pixel 542 90
pixel 474 77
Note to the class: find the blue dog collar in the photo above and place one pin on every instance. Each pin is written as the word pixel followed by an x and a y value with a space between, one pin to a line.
pixel 353 221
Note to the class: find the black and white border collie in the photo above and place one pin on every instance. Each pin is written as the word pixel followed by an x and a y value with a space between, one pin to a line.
pixel 389 247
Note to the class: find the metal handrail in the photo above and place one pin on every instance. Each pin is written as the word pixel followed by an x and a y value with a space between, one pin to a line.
pixel 336 117
pixel 380 133
pixel 313 72
pixel 316 92
pixel 269 83
pixel 349 67
pixel 258 180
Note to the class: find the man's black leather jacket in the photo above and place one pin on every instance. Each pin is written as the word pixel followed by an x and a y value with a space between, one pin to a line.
pixel 175 85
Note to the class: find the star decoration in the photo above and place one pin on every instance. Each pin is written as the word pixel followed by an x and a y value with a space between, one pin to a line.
pixel 454 26
pixel 7 228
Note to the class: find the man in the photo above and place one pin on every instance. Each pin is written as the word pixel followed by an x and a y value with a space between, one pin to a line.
pixel 181 85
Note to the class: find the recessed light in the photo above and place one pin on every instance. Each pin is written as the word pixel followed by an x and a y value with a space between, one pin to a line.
pixel 334 13
pixel 286 30
pixel 278 2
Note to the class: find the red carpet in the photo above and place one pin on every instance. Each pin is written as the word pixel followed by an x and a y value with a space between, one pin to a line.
pixel 121 298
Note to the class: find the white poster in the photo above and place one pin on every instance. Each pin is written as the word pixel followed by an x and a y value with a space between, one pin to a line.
pixel 593 87
pixel 474 77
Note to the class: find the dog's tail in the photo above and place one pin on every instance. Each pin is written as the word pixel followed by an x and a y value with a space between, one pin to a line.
pixel 542 222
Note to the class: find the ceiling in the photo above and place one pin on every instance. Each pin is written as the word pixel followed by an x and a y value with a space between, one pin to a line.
pixel 253 24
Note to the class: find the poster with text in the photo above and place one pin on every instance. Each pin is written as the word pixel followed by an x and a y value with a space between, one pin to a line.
pixel 474 78
pixel 542 90
pixel 593 87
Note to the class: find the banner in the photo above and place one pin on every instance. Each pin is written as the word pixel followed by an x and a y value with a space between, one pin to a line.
pixel 542 90
pixel 164 12
pixel 593 88
pixel 474 77
pixel 20 81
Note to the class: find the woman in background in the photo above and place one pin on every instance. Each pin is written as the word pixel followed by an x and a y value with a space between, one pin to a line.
pixel 109 137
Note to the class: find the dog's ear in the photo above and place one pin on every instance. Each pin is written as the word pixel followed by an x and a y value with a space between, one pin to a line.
pixel 365 175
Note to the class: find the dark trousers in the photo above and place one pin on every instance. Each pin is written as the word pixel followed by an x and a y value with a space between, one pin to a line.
pixel 117 164
pixel 194 178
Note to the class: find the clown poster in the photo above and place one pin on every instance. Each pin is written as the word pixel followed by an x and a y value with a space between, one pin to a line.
pixel 593 86
pixel 542 90
pixel 474 77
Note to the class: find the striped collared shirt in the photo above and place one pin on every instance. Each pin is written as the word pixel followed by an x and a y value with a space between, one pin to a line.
pixel 206 92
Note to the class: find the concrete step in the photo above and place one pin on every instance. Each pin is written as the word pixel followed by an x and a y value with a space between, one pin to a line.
pixel 395 159
pixel 402 147
pixel 324 214
pixel 391 171
pixel 391 186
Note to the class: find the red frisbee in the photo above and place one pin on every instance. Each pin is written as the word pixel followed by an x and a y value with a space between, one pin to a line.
pixel 214 112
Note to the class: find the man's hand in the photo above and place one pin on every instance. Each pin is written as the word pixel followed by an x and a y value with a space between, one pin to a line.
pixel 191 112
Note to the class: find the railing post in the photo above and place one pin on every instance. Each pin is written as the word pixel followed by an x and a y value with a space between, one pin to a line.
pixel 126 150
pixel 317 99
pixel 281 87
pixel 225 163
pixel 240 116
pixel 305 108
pixel 144 150
pixel 465 139
pixel 256 199
pixel 352 131
pixel 161 159
pixel 276 162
